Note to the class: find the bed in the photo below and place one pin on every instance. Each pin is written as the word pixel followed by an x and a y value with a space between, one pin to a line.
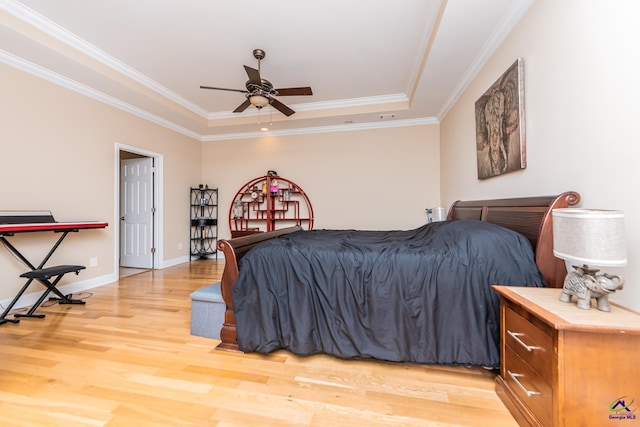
pixel 419 296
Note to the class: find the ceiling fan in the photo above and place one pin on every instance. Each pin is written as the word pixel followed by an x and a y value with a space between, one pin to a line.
pixel 260 92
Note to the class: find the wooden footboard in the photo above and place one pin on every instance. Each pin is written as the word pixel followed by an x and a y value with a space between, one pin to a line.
pixel 234 250
pixel 530 216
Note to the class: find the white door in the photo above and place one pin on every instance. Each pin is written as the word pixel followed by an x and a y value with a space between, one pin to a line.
pixel 136 213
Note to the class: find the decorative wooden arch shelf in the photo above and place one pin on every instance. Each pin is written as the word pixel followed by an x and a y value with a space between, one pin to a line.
pixel 268 203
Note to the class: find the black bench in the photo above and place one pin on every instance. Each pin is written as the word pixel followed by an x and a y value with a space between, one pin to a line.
pixel 44 276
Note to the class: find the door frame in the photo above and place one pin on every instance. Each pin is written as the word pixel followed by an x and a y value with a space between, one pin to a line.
pixel 157 202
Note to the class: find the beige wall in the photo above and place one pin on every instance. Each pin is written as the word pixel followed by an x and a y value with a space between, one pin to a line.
pixel 372 179
pixel 58 153
pixel 582 90
pixel 581 85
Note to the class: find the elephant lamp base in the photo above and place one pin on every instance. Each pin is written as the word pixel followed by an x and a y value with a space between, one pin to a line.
pixel 585 283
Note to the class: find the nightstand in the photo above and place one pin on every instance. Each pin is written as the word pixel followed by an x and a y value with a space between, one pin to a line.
pixel 564 366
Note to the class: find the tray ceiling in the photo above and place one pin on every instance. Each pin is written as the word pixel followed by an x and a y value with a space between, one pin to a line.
pixel 406 60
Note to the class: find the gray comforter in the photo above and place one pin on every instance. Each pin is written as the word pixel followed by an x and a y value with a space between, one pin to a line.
pixel 420 295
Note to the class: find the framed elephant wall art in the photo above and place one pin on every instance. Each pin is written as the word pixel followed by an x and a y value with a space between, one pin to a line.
pixel 500 125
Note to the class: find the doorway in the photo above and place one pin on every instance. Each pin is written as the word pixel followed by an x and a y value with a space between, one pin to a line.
pixel 138 214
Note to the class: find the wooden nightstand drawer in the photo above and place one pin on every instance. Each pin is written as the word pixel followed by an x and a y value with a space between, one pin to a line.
pixel 534 391
pixel 584 366
pixel 533 344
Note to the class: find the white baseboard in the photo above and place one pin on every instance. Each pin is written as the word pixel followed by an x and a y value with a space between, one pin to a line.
pixel 29 299
pixel 175 261
pixel 70 288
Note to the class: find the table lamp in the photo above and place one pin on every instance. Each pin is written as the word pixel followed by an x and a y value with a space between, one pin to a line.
pixel 588 238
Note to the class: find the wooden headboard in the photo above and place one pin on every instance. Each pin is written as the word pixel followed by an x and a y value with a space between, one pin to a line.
pixel 529 216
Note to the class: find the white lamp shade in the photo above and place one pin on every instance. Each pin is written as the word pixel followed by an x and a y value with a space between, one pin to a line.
pixel 259 101
pixel 593 237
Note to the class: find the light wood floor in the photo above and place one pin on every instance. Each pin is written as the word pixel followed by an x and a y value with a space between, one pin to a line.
pixel 127 358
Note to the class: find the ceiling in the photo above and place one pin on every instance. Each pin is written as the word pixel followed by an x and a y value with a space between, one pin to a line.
pixel 370 64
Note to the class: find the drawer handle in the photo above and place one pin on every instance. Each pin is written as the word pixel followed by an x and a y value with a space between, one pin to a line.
pixel 514 377
pixel 516 336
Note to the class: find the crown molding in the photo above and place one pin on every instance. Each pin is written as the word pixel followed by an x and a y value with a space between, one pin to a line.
pixel 324 129
pixel 324 105
pixel 507 24
pixel 50 28
pixel 48 75
pixel 45 74
pixel 63 35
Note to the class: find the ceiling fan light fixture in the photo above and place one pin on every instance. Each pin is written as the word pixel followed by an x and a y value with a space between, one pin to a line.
pixel 260 92
pixel 259 101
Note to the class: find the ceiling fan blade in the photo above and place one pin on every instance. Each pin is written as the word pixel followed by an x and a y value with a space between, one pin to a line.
pixel 281 107
pixel 222 88
pixel 242 106
pixel 254 75
pixel 292 91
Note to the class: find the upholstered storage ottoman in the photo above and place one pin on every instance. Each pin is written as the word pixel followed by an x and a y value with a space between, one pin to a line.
pixel 207 311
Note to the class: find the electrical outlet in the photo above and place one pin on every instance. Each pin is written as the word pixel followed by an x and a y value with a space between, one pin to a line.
pixel 179 246
pixel 93 261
